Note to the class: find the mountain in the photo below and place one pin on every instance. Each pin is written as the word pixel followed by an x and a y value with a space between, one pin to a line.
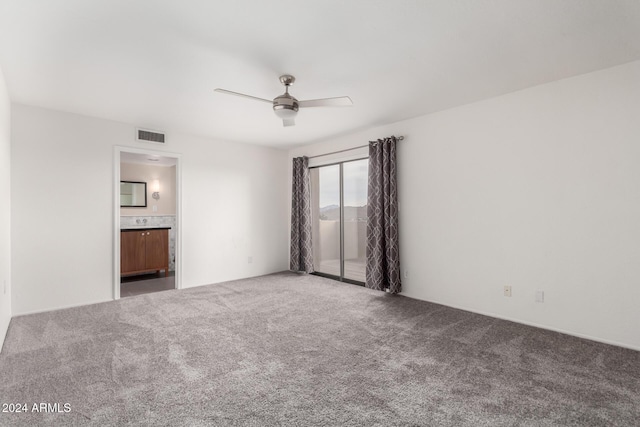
pixel 351 213
pixel 328 208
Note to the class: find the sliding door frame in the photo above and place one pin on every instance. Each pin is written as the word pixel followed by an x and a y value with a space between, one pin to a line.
pixel 340 278
pixel 341 184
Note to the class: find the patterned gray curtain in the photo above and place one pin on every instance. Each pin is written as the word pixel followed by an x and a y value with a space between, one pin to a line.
pixel 383 252
pixel 301 249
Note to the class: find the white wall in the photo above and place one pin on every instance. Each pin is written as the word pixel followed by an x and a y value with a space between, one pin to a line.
pixel 538 189
pixel 5 209
pixel 233 195
pixel 166 176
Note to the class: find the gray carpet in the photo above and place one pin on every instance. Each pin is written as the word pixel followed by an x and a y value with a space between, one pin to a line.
pixel 302 350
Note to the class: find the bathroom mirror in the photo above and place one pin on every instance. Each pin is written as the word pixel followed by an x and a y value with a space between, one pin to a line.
pixel 133 194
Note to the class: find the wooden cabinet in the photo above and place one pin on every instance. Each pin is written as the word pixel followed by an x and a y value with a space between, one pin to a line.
pixel 144 250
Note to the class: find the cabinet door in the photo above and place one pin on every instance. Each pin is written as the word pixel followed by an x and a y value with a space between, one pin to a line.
pixel 132 251
pixel 157 249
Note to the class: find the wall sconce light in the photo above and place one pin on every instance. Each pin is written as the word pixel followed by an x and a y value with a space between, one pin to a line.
pixel 155 187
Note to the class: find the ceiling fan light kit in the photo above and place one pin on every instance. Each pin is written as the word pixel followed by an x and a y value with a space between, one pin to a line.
pixel 286 106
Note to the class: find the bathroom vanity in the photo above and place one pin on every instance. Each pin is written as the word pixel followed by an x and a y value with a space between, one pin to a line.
pixel 144 250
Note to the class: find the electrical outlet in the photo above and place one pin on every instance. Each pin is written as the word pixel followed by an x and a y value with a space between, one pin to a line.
pixel 406 274
pixel 539 296
pixel 155 208
pixel 507 290
pixel 250 260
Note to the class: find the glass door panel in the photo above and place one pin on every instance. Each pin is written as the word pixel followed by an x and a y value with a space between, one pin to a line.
pixel 326 212
pixel 354 178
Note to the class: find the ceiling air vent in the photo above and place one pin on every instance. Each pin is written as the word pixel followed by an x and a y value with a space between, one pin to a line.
pixel 149 136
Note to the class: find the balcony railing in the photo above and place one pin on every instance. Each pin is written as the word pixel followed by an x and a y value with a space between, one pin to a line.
pixel 327 248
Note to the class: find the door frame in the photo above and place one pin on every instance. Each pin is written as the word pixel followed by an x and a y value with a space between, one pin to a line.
pixel 117 150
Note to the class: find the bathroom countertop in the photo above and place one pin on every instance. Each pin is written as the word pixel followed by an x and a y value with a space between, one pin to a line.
pixel 145 227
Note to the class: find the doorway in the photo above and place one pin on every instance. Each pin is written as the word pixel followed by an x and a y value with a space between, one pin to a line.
pixel 339 226
pixel 146 222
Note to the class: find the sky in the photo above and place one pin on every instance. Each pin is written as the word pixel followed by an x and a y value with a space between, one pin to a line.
pixel 355 184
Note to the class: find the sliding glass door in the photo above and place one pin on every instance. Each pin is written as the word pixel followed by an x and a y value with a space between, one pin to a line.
pixel 325 210
pixel 339 209
pixel 354 191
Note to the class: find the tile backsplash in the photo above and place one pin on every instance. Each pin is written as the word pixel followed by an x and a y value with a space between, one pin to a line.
pixel 156 221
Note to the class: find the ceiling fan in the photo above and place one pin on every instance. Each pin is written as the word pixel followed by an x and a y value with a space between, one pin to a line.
pixel 286 106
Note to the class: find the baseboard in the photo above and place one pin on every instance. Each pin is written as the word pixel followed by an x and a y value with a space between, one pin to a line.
pixel 234 280
pixel 536 325
pixel 484 313
pixel 3 333
pixel 46 310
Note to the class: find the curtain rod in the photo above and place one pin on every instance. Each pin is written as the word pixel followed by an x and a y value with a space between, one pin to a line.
pixel 399 138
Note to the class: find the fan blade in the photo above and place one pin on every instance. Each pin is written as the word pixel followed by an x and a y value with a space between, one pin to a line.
pixel 228 92
pixel 288 122
pixel 342 101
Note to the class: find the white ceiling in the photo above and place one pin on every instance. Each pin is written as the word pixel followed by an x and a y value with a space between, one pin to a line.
pixel 155 63
pixel 146 159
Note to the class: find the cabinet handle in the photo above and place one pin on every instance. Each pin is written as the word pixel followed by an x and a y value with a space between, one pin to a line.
pixel 148 232
pixel 142 234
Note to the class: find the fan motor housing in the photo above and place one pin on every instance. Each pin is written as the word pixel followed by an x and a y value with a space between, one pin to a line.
pixel 285 105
